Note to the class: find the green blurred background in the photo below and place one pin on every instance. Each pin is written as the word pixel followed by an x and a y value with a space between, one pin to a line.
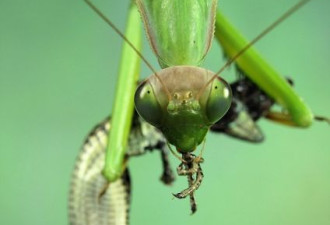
pixel 58 64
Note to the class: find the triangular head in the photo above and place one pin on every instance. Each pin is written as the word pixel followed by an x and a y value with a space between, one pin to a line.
pixel 183 102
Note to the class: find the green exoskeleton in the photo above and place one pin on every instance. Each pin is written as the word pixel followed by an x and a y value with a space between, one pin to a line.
pixel 184 100
pixel 181 100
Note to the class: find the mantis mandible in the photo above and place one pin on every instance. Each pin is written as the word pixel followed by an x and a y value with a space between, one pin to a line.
pixel 185 113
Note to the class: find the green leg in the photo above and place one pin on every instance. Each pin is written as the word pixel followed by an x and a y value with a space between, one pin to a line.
pixel 262 73
pixel 123 107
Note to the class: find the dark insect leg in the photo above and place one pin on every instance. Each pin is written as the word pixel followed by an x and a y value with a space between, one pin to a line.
pixel 167 176
pixel 186 171
pixel 194 186
pixel 182 171
pixel 192 162
pixel 193 205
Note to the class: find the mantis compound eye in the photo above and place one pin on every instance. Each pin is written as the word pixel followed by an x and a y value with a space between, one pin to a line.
pixel 219 100
pixel 146 104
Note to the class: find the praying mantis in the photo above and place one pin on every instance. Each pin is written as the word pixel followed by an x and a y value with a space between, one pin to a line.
pixel 115 163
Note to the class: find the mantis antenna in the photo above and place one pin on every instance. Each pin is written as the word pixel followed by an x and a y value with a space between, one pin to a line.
pixel 113 26
pixel 257 38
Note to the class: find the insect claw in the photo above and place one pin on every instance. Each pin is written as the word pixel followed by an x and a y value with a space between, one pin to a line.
pixel 321 118
pixel 179 195
pixel 193 208
pixel 167 177
pixel 103 191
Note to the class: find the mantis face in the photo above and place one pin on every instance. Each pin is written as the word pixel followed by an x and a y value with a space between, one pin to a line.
pixel 183 103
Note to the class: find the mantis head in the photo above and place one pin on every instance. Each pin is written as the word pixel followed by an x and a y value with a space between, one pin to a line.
pixel 183 102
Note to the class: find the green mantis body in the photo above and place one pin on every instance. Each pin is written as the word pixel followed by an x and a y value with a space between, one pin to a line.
pixel 273 84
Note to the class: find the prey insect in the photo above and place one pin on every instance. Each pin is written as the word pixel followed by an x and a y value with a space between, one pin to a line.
pixel 183 100
pixel 91 203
